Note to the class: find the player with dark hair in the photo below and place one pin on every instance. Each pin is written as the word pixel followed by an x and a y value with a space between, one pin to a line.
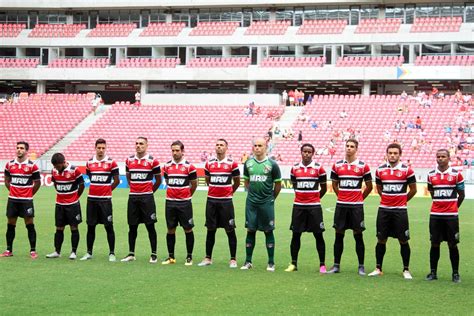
pixel 223 179
pixel 69 185
pixel 446 186
pixel 103 173
pixel 181 178
pixel 22 180
pixel 393 179
pixel 347 177
pixel 141 170
pixel 307 177
pixel 263 182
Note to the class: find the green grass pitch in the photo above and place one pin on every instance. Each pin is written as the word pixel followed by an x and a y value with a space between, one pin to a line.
pixel 48 286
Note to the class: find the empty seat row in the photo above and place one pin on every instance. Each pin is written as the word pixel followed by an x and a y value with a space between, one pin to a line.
pixel 11 30
pixel 322 27
pixel 378 26
pixel 148 62
pixel 112 30
pixel 214 28
pixel 213 62
pixel 268 28
pixel 56 30
pixel 19 62
pixel 163 29
pixel 293 62
pixel 80 63
pixel 370 61
pixel 438 24
pixel 445 60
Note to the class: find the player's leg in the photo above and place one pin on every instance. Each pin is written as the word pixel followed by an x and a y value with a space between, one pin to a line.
pixel 358 227
pixel 251 225
pixel 74 218
pixel 171 223
pixel 340 219
pixel 211 224
pixel 75 237
pixel 316 225
pixel 452 226
pixel 232 241
pixel 133 219
pixel 185 218
pixel 266 223
pixel 10 236
pixel 60 222
pixel 107 219
pixel 28 215
pixel 150 227
pixel 298 219
pixel 149 219
pixel 436 236
pixel 92 209
pixel 382 226
pixel 403 234
pixel 226 220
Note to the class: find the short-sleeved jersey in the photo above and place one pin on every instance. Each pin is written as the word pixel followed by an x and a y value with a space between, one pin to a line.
pixel 445 186
pixel 394 182
pixel 101 173
pixel 67 184
pixel 350 177
pixel 220 174
pixel 22 176
pixel 178 177
pixel 306 181
pixel 142 171
pixel 261 176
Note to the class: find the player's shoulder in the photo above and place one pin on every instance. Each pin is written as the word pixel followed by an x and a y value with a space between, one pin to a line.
pixel 339 163
pixel 382 167
pixel 131 158
pixel 362 163
pixel 432 172
pixel 212 159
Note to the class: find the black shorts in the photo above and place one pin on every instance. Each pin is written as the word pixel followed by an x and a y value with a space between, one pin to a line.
pixel 20 208
pixel 99 212
pixel 220 214
pixel 141 209
pixel 307 219
pixel 444 228
pixel 179 212
pixel 393 224
pixel 68 215
pixel 349 218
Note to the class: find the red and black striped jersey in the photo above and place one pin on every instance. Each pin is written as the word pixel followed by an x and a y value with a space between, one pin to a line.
pixel 394 182
pixel 350 177
pixel 306 181
pixel 178 177
pixel 67 184
pixel 142 171
pixel 101 173
pixel 22 175
pixel 445 186
pixel 220 174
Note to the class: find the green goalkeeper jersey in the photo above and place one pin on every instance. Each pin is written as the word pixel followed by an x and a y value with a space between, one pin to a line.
pixel 261 176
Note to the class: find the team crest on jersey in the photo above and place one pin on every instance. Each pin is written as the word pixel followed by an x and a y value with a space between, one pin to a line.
pixel 362 224
pixel 191 221
pixel 399 174
pixel 109 218
pixel 68 175
pixel 78 217
pixel 267 169
pixel 226 167
pixel 26 169
pixel 153 216
pixel 321 225
pixel 145 163
pixel 312 171
pixel 29 211
pixel 13 167
pixel 450 178
pixel 183 169
pixel 356 169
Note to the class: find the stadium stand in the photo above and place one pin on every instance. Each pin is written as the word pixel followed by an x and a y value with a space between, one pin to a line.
pixel 268 28
pixel 213 62
pixel 112 30
pixel 197 126
pixel 41 119
pixel 378 26
pixel 79 63
pixel 438 24
pixel 368 117
pixel 163 29
pixel 11 30
pixel 293 62
pixel 19 62
pixel 148 63
pixel 370 61
pixel 214 29
pixel 56 30
pixel 322 27
pixel 444 60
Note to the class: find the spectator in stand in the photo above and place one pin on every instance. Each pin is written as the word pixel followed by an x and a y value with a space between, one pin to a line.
pixel 418 122
pixel 277 131
pixel 435 92
pixel 300 137
pixel 284 98
pixel 332 151
pixel 204 156
pixel 314 124
pixel 270 134
pixel 310 99
pixel 414 144
pixel 291 97
pixel 398 126
pixel 403 95
pixel 458 98
pixel 138 97
pixel 252 108
pixel 301 98
pixel 258 110
pixel 244 157
pixel 387 135
pixel 343 114
pixel 448 129
pixel 278 158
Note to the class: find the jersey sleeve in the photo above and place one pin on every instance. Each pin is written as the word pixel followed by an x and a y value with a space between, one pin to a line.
pixel 323 178
pixel 192 173
pixel 367 175
pixel 292 175
pixel 246 172
pixel 7 170
pixel 411 178
pixel 88 171
pixel 276 173
pixel 127 168
pixel 206 169
pixel 235 169
pixel 460 182
pixel 429 184
pixel 156 167
pixel 165 172
pixel 79 177
pixel 35 175
pixel 53 179
pixel 334 175
pixel 377 177
pixel 114 169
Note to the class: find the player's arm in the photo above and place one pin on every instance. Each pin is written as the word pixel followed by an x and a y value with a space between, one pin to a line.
pixel 411 191
pixel 193 180
pixel 235 183
pixel 246 183
pixel 461 196
pixel 36 177
pixel 335 186
pixel 157 183
pixel 116 181
pixel 323 190
pixel 379 189
pixel 80 189
pixel 193 185
pixel 276 189
pixel 460 190
pixel 208 180
pixel 36 186
pixel 80 183
pixel 8 180
pixel 368 188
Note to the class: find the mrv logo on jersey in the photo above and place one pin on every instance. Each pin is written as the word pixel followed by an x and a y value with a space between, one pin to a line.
pixel 443 193
pixel 64 187
pixel 138 176
pixel 219 179
pixel 176 181
pixel 305 185
pixel 258 178
pixel 349 183
pixel 19 180
pixel 392 187
pixel 96 178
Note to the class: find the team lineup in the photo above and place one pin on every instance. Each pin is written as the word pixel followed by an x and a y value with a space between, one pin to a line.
pixel 351 181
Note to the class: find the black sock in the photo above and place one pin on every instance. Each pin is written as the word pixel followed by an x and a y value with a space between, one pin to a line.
pixel 170 242
pixel 31 236
pixel 249 245
pixel 210 240
pixel 320 247
pixel 74 239
pixel 379 254
pixel 338 248
pixel 434 258
pixel 232 238
pixel 454 256
pixel 295 247
pixel 360 248
pixel 132 238
pixel 405 252
pixel 189 244
pixel 10 236
pixel 90 238
pixel 58 240
pixel 110 238
pixel 152 236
